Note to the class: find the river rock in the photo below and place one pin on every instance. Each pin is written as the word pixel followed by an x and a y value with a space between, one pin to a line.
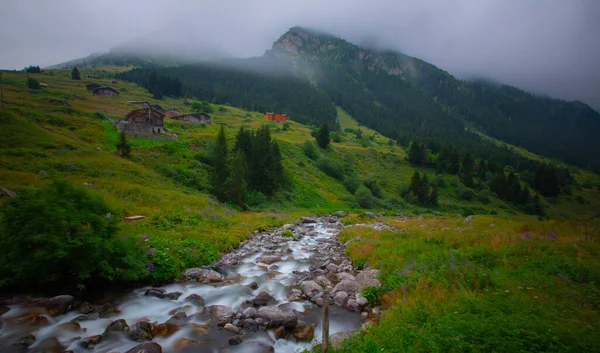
pixel 184 343
pixel 310 288
pixel 70 326
pixel 23 343
pixel 268 259
pixel 348 286
pixel 345 275
pixel 332 268
pixel 116 326
pixel 253 286
pixel 56 305
pixel 235 340
pixel 214 277
pixel 149 347
pixel 221 313
pixel 195 299
pixel 249 313
pixel 88 342
pixel 304 331
pixel 319 301
pixel 178 319
pixel 141 331
pixel 340 214
pixel 155 292
pixel 367 278
pixel 195 274
pixel 274 317
pixel 279 333
pixel 250 324
pixel 336 339
pixel 233 277
pixel 199 329
pixel 353 305
pixel 231 328
pixel 87 317
pixel 340 298
pixel 164 330
pixel 362 301
pixel 306 220
pixel 369 214
pixel 48 345
pixel 323 281
pixel 263 298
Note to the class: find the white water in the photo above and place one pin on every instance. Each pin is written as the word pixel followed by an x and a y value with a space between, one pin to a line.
pixel 137 306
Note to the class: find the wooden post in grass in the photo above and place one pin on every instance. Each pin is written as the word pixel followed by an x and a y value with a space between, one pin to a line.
pixel 325 326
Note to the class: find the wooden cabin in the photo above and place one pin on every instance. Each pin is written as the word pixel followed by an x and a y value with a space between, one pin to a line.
pixel 145 120
pixel 106 91
pixel 277 117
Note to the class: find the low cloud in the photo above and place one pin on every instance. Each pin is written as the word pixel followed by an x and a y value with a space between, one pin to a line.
pixel 549 47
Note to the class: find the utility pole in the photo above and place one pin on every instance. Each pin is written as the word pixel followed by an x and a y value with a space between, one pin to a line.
pixel 1 91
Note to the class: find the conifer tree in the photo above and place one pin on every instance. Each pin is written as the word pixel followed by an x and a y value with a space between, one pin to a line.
pixel 75 75
pixel 123 145
pixel 220 171
pixel 323 138
pixel 238 187
pixel 433 196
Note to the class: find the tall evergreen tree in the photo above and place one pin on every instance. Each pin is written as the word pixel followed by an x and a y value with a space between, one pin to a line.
pixel 238 186
pixel 433 196
pixel 220 172
pixel 75 75
pixel 467 167
pixel 123 145
pixel 323 138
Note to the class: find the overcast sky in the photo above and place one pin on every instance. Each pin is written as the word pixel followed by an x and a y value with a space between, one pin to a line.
pixel 545 46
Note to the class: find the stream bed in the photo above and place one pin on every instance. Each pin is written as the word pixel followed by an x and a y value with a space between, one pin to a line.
pixel 266 296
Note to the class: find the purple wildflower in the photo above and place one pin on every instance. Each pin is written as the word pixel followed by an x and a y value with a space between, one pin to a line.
pixel 125 237
pixel 404 301
pixel 151 251
pixel 559 274
pixel 150 267
pixel 551 235
pixel 526 236
pixel 145 236
pixel 403 287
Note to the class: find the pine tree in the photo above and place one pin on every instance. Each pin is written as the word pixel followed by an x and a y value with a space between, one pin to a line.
pixel 467 165
pixel 433 196
pixel 424 191
pixel 238 186
pixel 75 75
pixel 220 171
pixel 323 138
pixel 123 145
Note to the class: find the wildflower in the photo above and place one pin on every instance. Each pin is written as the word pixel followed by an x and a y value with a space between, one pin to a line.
pixel 403 287
pixel 151 251
pixel 145 237
pixel 551 235
pixel 150 267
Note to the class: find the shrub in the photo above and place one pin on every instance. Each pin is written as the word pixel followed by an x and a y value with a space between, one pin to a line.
pixel 309 150
pixel 32 83
pixel 256 198
pixel 373 184
pixel 484 196
pixel 100 116
pixel 335 137
pixel 352 183
pixel 364 197
pixel 465 193
pixel 330 167
pixel 286 126
pixel 287 233
pixel 62 235
pixel 372 294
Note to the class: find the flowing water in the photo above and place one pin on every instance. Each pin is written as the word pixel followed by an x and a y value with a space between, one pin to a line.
pixel 277 280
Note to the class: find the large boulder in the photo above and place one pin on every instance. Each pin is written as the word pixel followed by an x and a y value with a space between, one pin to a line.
pixel 56 305
pixel 274 317
pixel 221 314
pixel 353 305
pixel 48 345
pixel 310 288
pixel 368 278
pixel 214 276
pixel 308 220
pixel 369 214
pixel 195 274
pixel 345 275
pixel 304 331
pixel 116 326
pixel 195 299
pixel 340 298
pixel 141 331
pixel 149 347
pixel 348 286
pixel 263 298
pixel 340 214
pixel 336 339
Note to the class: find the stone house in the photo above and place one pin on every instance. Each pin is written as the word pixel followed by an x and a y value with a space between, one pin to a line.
pixel 106 91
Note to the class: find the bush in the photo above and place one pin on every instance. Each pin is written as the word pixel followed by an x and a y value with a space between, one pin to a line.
pixel 335 137
pixel 465 193
pixel 62 235
pixel 310 150
pixel 484 196
pixel 287 233
pixel 373 184
pixel 352 183
pixel 330 167
pixel 364 197
pixel 32 83
pixel 256 198
pixel 286 126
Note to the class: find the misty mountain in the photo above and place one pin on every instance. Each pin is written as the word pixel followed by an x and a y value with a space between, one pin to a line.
pixel 307 73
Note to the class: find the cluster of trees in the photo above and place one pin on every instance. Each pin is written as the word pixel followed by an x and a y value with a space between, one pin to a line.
pixel 420 192
pixel 253 165
pixel 33 70
pixel 248 89
pixel 549 179
pixel 160 85
pixel 32 83
pixel 203 106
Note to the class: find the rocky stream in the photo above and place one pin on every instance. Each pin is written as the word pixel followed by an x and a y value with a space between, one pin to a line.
pixel 266 296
